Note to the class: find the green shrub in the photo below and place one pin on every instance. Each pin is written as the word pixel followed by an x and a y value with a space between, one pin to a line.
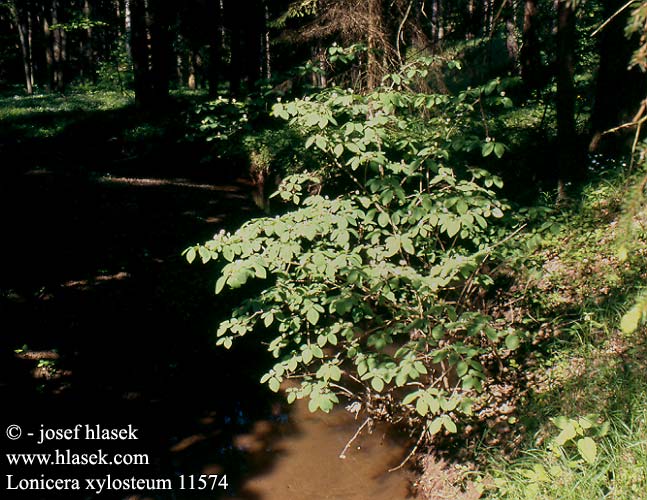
pixel 368 294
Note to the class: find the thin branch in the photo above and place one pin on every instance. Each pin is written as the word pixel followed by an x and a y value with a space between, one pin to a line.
pixel 496 18
pixel 397 41
pixel 413 450
pixel 634 123
pixel 616 14
pixel 357 433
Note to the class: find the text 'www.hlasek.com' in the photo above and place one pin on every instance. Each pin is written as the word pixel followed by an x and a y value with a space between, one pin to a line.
pixel 64 449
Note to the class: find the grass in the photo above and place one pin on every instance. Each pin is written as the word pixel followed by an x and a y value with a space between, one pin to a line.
pixel 591 273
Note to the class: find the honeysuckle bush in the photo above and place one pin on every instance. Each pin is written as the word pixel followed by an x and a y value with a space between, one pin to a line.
pixel 369 293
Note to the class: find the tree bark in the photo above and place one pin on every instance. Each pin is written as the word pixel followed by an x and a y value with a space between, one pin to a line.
pixel 374 31
pixel 530 57
pixel 87 48
pixel 49 55
pixel 25 49
pixel 215 46
pixel 569 168
pixel 140 56
pixel 160 14
pixel 58 50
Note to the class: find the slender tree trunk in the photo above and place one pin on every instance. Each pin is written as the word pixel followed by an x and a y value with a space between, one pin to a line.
pixel 30 45
pixel 530 58
pixel 234 18
pixel 374 32
pixel 267 52
pixel 567 160
pixel 161 55
pixel 49 55
pixel 127 28
pixel 25 49
pixel 511 40
pixel 88 50
pixel 191 70
pixel 139 48
pixel 58 50
pixel 215 13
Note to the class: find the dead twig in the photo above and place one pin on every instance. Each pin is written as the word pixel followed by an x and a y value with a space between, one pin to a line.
pixel 355 436
pixel 413 450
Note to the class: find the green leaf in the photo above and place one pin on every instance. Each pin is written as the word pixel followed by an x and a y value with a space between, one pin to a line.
pixel 377 384
pixel 392 246
pixel 452 227
pixel 487 148
pixel 587 449
pixel 566 435
pixel 383 219
pixel 274 384
pixel 499 149
pixel 434 426
pixel 421 407
pixel 205 254
pixel 220 284
pixel 190 255
pixel 449 424
pixel 312 316
pixel 407 245
pixel 512 341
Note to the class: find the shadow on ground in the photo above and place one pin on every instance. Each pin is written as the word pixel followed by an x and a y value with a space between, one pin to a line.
pixel 103 320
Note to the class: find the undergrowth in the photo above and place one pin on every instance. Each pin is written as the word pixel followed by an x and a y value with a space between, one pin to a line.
pixel 583 416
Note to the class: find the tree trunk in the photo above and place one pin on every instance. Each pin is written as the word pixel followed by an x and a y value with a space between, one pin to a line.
pixel 530 57
pixel 569 168
pixel 25 49
pixel 139 48
pixel 49 55
pixel 191 69
pixel 127 28
pixel 374 31
pixel 215 13
pixel 511 41
pixel 267 53
pixel 161 55
pixel 88 51
pixel 58 50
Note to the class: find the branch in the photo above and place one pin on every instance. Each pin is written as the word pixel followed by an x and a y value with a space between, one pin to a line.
pixel 357 433
pixel 616 14
pixel 413 450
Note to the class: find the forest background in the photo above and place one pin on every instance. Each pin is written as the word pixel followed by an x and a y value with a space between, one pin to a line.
pixel 449 232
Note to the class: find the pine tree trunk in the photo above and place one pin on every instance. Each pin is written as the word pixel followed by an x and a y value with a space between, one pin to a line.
pixel 139 48
pixel 530 58
pixel 58 50
pixel 569 168
pixel 88 51
pixel 25 49
pixel 49 55
pixel 215 47
pixel 374 30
